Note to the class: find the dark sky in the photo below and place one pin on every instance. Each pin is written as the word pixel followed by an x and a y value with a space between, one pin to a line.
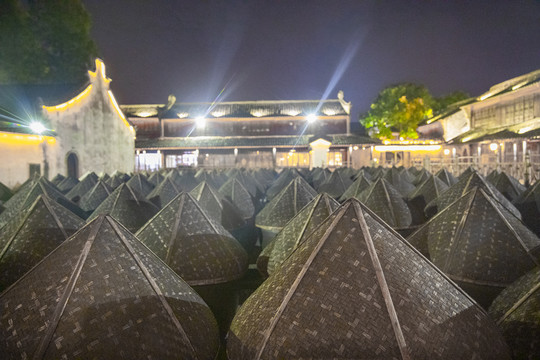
pixel 288 49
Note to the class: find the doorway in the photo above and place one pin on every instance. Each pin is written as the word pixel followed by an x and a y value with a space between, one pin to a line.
pixel 73 165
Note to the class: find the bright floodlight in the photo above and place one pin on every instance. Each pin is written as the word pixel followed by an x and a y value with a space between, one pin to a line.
pixel 311 118
pixel 200 121
pixel 37 127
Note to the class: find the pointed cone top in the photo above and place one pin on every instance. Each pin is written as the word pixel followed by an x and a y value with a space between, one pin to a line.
pixel 123 307
pixel 67 184
pixel 285 205
pixel 335 185
pixel 116 180
pixel 215 204
pixel 140 183
pixel 299 227
pixel 235 192
pixel 429 189
pixel 466 173
pixel 360 184
pixel 93 198
pixel 90 174
pixel 127 207
pixel 31 234
pixel 29 193
pixel 477 241
pixel 203 175
pixel 492 176
pixel 377 173
pixel 398 181
pixel 464 185
pixel 156 178
pixel 347 173
pixel 508 186
pixel 282 181
pixel 530 195
pixel 446 176
pixel 82 187
pixel 407 175
pixel 194 244
pixel 364 173
pixel 164 192
pixel 184 182
pixel 421 177
pixel 355 289
pixel 320 177
pixel 57 179
pixel 248 183
pixel 387 202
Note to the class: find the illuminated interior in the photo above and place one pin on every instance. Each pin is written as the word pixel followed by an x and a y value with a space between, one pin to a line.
pixel 382 148
pixel 334 158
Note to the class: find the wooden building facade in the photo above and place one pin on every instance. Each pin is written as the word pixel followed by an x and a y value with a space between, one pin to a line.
pixel 250 134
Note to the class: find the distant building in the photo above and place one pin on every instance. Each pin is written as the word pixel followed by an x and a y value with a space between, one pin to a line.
pixel 63 129
pixel 498 129
pixel 298 133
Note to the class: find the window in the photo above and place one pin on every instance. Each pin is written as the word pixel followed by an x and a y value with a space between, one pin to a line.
pixel 292 159
pixel 148 161
pixel 186 159
pixel 334 158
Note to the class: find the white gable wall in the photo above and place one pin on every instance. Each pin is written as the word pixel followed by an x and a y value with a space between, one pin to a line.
pixel 93 129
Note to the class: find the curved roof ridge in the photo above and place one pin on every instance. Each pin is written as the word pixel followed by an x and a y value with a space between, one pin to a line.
pixel 297 280
pixel 383 285
pixel 153 284
pixel 508 225
pixel 460 226
pixel 415 250
pixel 518 303
pixel 62 303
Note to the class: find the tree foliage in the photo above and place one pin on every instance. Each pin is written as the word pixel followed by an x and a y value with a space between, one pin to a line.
pixel 401 108
pixel 442 103
pixel 398 108
pixel 44 41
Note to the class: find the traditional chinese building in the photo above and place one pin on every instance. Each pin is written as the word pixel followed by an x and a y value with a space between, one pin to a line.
pixel 298 133
pixel 498 129
pixel 63 129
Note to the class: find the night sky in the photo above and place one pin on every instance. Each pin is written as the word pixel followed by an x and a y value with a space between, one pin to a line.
pixel 287 49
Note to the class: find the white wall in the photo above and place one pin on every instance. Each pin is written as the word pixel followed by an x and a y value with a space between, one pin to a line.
pixel 93 129
pixel 18 152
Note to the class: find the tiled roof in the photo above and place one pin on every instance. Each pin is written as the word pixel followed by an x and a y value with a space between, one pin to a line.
pixel 241 109
pixel 245 141
pixel 479 135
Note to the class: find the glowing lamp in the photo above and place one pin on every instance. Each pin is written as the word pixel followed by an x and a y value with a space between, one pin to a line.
pixel 200 121
pixel 37 127
pixel 446 151
pixel 355 148
pixel 311 118
pixel 493 146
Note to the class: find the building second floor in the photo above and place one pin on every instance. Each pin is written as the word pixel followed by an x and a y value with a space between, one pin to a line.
pixel 240 118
